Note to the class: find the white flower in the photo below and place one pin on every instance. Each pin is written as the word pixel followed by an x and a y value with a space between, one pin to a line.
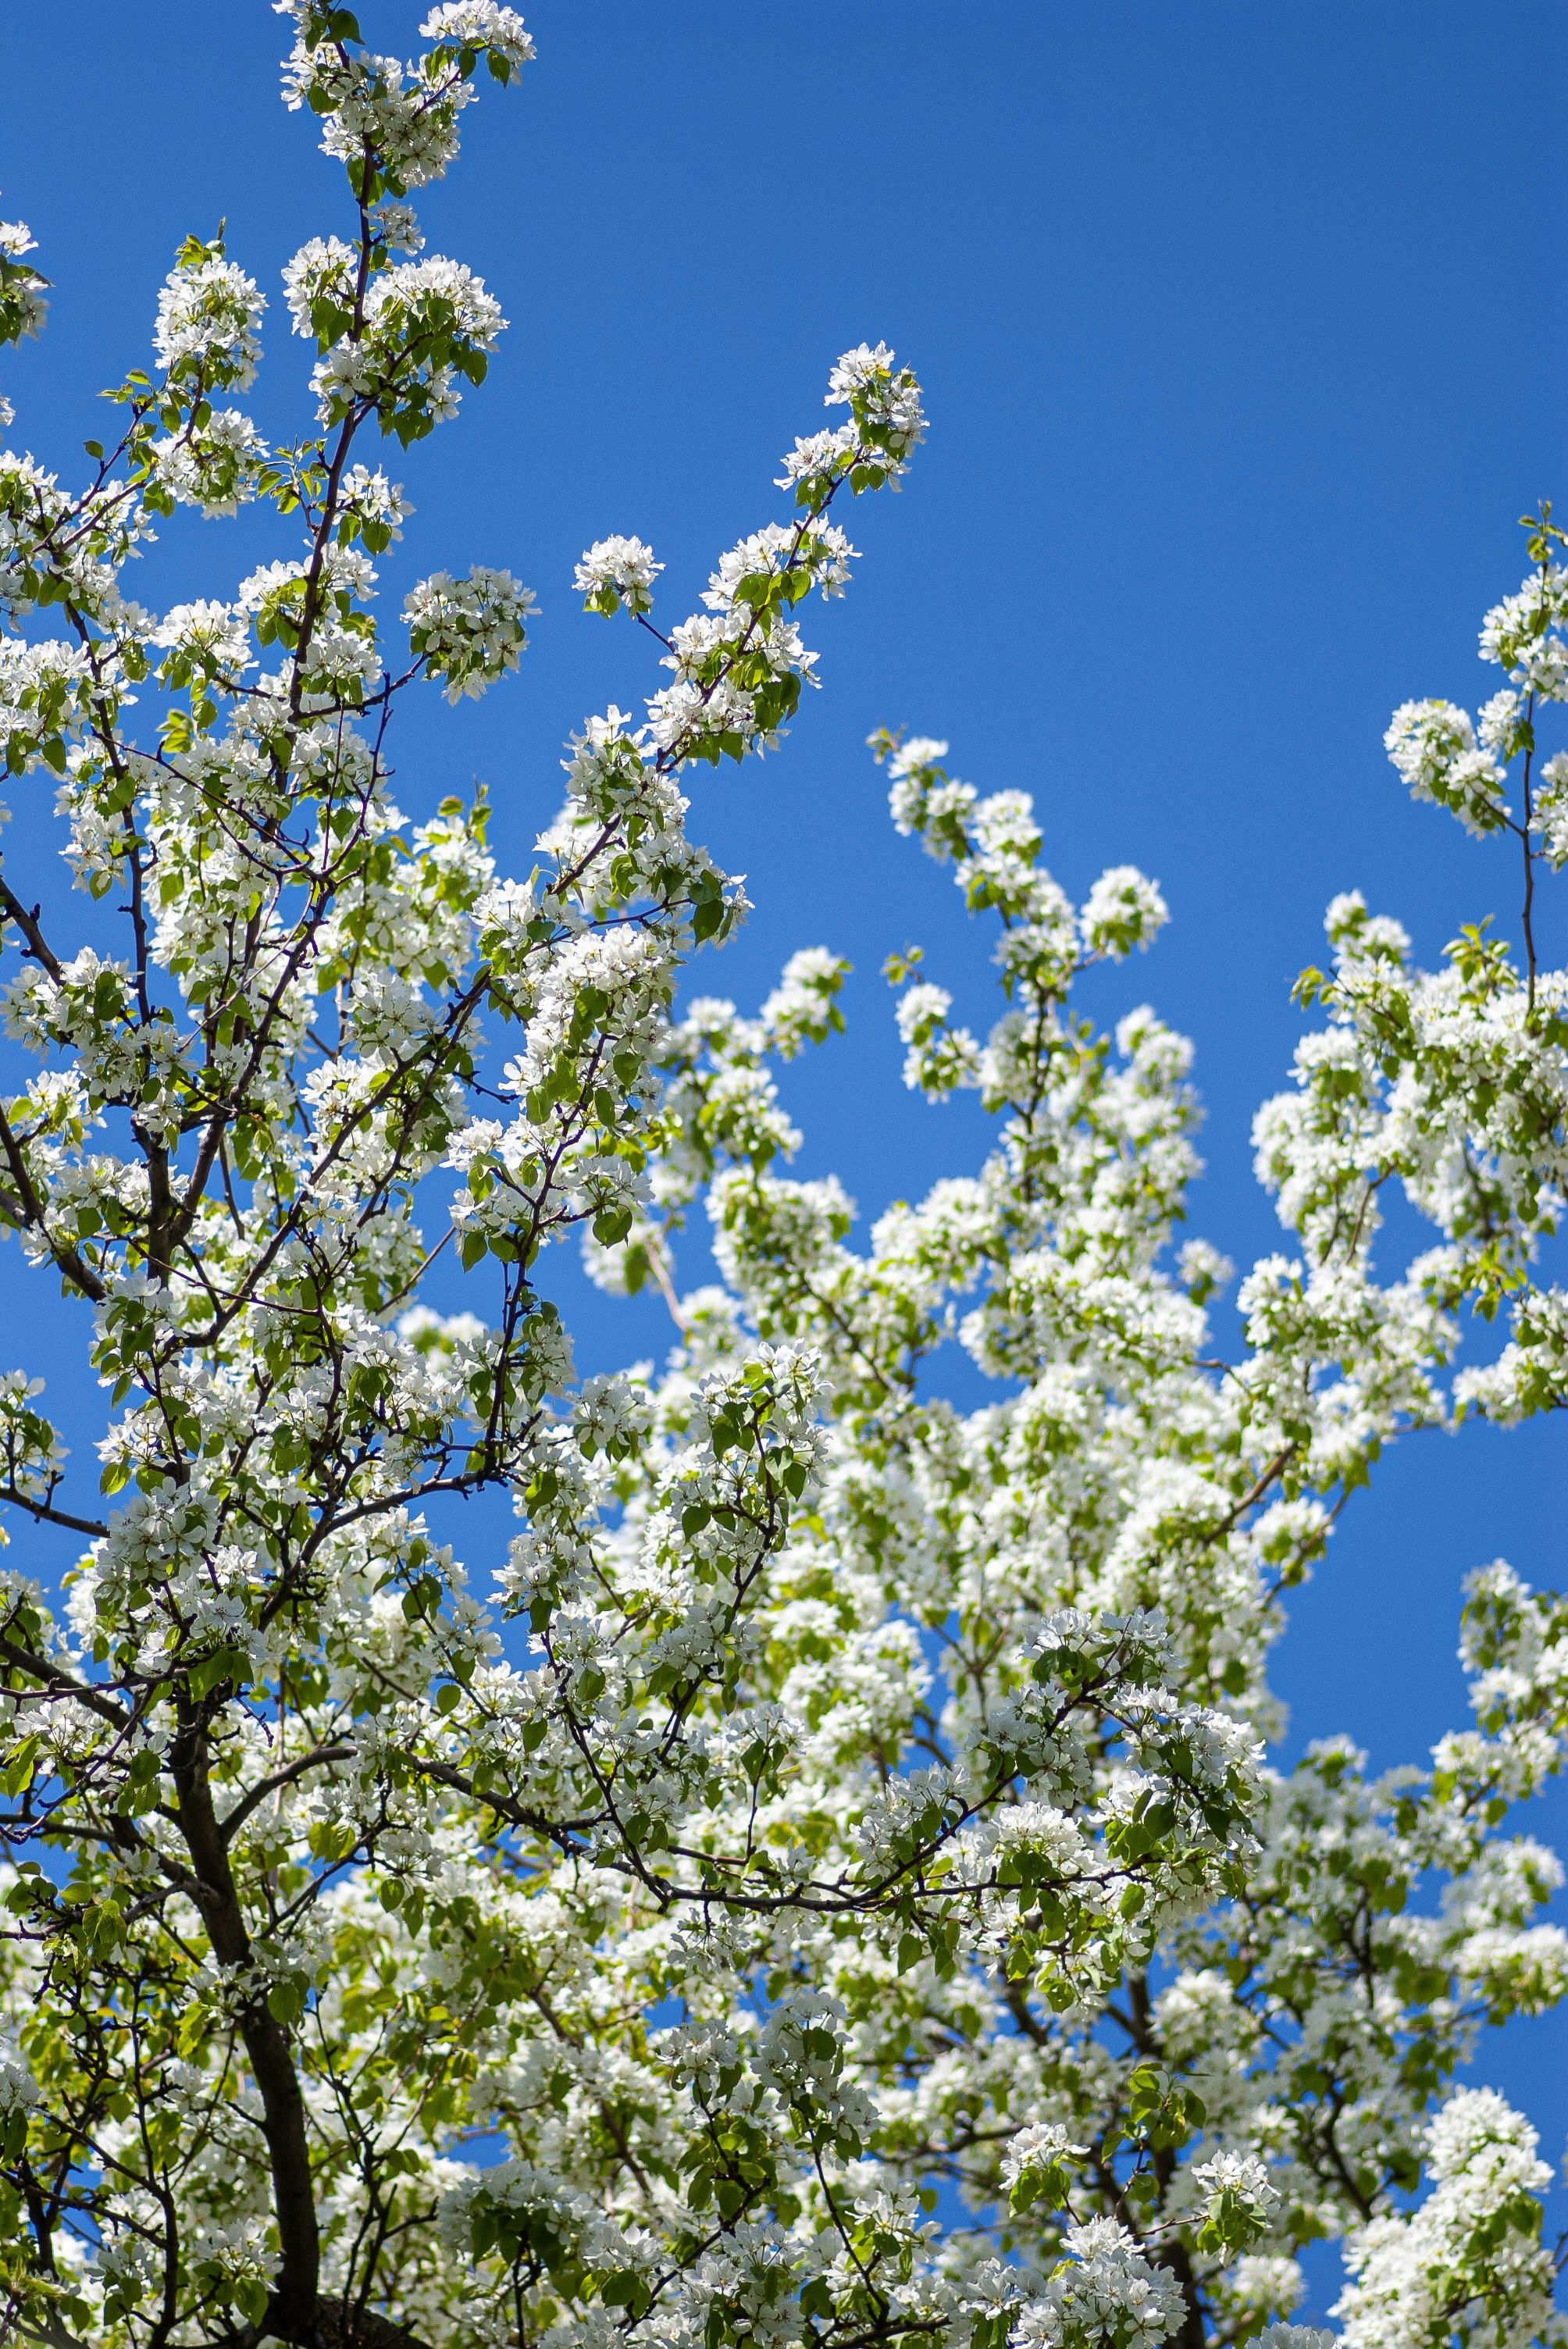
pixel 18 2090
pixel 414 285
pixel 1123 910
pixel 470 631
pixel 1477 2237
pixel 617 571
pixel 1433 747
pixel 481 25
pixel 1552 808
pixel 1112 2298
pixel 1239 2200
pixel 209 314
pixel 23 305
pixel 887 399
pixel 1038 2165
pixel 213 637
pixel 322 273
pixel 213 465
pixel 397 227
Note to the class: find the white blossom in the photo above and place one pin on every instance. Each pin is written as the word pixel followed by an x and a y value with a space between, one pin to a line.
pixel 617 571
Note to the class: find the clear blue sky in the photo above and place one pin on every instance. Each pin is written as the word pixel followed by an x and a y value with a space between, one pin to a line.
pixel 1243 337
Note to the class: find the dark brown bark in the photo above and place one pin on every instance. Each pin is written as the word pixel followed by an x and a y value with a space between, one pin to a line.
pixel 293 2308
pixel 1173 2258
pixel 334 2326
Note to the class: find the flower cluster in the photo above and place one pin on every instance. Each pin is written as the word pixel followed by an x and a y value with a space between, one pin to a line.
pixel 23 304
pixel 617 571
pixel 469 631
pixel 1471 2253
pixel 209 315
pixel 1434 748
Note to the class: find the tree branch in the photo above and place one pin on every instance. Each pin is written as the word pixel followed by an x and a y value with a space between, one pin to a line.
pixel 231 1825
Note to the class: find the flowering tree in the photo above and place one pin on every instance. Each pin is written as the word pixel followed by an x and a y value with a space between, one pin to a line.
pixel 846 1808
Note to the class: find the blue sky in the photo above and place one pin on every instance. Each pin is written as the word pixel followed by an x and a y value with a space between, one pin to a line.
pixel 1243 338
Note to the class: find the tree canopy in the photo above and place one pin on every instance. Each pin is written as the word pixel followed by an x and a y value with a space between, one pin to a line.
pixel 832 1889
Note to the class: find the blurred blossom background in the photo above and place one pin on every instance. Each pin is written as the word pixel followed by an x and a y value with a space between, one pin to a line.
pixel 1243 341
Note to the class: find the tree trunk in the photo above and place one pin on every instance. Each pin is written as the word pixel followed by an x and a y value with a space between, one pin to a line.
pixel 293 2308
pixel 332 2325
